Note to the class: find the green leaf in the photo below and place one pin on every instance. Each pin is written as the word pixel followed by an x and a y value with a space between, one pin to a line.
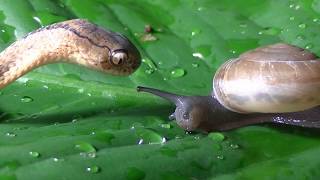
pixel 64 121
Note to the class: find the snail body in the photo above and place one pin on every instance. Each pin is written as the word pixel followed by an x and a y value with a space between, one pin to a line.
pixel 278 83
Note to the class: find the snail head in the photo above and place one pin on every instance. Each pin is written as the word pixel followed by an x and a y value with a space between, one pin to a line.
pixel 190 111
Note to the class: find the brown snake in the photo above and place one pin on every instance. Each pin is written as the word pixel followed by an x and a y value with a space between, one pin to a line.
pixel 74 41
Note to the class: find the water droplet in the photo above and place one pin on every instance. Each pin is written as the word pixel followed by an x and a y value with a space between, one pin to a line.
pixel 234 146
pixel 202 51
pixel 166 126
pixel 297 7
pixel 195 32
pixel 81 90
pixel 38 20
pixel 292 18
pixel 243 25
pixel 147 136
pixel 149 63
pixel 291 5
pixel 300 37
pixel 89 94
pixel 74 120
pixel 178 72
pixel 197 55
pixel 11 134
pixel 302 26
pixel 92 155
pixel 270 31
pixel 149 71
pixel 89 155
pixel 217 137
pixel 55 159
pixel 93 169
pixel 45 87
pixel 195 65
pixel 196 137
pixel 309 46
pixel 34 154
pixel 315 20
pixel 233 51
pixel 200 8
pixel 221 157
pixel 85 147
pixel 134 173
pixel 26 99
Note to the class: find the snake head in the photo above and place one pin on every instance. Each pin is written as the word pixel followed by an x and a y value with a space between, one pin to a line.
pixel 123 57
pixel 104 50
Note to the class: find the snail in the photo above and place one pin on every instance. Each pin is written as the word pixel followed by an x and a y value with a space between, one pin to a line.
pixel 278 83
pixel 74 41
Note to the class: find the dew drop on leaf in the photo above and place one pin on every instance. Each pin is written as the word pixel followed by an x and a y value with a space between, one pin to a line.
pixel 220 157
pixel 291 18
pixel 178 72
pixel 55 159
pixel 195 65
pixel 270 31
pixel 149 71
pixel 309 46
pixel 85 147
pixel 34 154
pixel 93 169
pixel 300 37
pixel 134 173
pixel 89 154
pixel 197 55
pixel 243 25
pixel 11 134
pixel 147 136
pixel 38 20
pixel 217 137
pixel 45 87
pixel 149 63
pixel 234 146
pixel 166 126
pixel 26 99
pixel 195 32
pixel 302 26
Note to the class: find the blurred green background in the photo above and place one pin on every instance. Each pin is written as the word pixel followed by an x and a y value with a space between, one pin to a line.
pixel 63 121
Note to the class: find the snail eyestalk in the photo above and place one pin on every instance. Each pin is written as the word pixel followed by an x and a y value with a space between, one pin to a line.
pixel 166 95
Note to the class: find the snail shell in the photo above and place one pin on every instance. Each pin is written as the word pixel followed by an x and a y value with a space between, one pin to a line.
pixel 272 79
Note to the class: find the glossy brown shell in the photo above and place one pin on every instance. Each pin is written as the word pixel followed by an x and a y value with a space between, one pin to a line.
pixel 270 79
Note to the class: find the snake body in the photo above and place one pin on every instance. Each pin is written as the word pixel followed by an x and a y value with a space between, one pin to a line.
pixel 74 41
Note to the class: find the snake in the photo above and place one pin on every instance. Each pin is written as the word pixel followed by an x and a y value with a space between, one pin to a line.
pixel 76 41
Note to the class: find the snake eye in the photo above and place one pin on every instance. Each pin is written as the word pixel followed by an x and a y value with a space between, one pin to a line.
pixel 118 57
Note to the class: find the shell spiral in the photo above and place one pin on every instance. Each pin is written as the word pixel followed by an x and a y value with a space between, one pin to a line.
pixel 271 79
